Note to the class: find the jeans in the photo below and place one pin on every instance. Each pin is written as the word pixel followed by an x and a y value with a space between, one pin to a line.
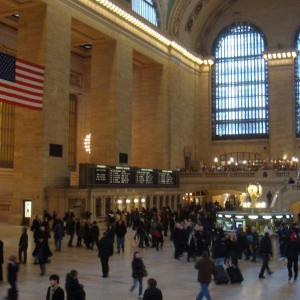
pixel 142 239
pixel 71 238
pixel 290 263
pixel 241 254
pixel 254 253
pixel 120 243
pixel 204 292
pixel 43 268
pixel 135 280
pixel 219 261
pixel 58 244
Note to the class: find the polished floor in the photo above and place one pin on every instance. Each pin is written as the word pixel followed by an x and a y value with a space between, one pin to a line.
pixel 176 278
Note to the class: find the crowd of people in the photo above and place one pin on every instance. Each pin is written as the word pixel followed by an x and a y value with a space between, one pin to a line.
pixel 193 232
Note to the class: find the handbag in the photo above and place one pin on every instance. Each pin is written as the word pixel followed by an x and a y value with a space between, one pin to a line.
pixel 144 271
pixel 157 234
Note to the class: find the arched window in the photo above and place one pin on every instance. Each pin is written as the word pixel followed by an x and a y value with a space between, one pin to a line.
pixel 297 82
pixel 146 9
pixel 240 84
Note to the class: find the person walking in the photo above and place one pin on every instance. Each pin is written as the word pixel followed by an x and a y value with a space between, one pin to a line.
pixel 12 270
pixel 206 268
pixel 75 290
pixel 58 235
pixel 152 292
pixel 71 231
pixel 120 231
pixel 292 254
pixel 23 245
pixel 265 251
pixel 42 252
pixel 105 246
pixel 55 292
pixel 137 273
pixel 255 244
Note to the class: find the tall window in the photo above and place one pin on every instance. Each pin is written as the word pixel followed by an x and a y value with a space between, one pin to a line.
pixel 72 132
pixel 7 124
pixel 297 82
pixel 239 84
pixel 146 9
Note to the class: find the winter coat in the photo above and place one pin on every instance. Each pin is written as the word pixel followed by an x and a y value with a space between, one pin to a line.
pixel 74 289
pixel 152 293
pixel 105 247
pixel 58 294
pixel 120 230
pixel 292 249
pixel 206 268
pixel 12 270
pixel 58 231
pixel 265 245
pixel 137 268
pixel 42 251
pixel 23 243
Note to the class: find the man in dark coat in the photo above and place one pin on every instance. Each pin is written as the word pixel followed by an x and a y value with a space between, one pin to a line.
pixel 177 240
pixel 1 260
pixel 206 268
pixel 120 231
pixel 73 288
pixel 292 254
pixel 105 247
pixel 12 270
pixel 23 245
pixel 55 292
pixel 152 292
pixel 265 251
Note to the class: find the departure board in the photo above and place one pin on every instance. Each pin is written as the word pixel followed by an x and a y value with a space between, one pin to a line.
pixel 102 176
pixel 146 177
pixel 122 175
pixel 166 177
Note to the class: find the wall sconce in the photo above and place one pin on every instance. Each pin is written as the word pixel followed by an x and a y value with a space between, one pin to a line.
pixel 136 200
pixel 87 143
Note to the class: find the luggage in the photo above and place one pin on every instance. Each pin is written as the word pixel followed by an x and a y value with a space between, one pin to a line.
pixel 234 274
pixel 222 277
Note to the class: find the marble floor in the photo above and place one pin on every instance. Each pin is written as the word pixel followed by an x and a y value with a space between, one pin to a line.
pixel 176 278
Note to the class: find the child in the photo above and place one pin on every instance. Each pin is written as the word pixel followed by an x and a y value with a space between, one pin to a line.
pixel 55 292
pixel 23 245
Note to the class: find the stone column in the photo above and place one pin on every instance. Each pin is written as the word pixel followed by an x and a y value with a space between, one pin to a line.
pixel 281 104
pixel 43 38
pixel 111 102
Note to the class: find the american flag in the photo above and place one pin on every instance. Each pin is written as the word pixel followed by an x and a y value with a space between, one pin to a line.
pixel 21 82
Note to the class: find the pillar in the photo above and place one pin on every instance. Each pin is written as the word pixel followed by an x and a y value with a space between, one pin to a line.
pixel 43 38
pixel 111 103
pixel 282 134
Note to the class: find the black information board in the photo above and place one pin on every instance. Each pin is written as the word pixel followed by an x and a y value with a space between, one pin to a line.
pixel 122 175
pixel 101 175
pixel 146 177
pixel 114 176
pixel 166 177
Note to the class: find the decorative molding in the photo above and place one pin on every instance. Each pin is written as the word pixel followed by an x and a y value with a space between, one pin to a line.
pixel 201 41
pixel 194 14
pixel 177 16
pixel 75 79
pixel 5 50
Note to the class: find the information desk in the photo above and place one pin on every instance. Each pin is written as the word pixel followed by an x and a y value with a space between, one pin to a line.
pixel 97 176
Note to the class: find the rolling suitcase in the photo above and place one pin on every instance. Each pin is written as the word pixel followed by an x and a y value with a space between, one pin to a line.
pixel 234 274
pixel 222 277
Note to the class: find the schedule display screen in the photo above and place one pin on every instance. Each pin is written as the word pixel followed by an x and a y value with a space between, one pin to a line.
pixel 101 175
pixel 122 175
pixel 146 177
pixel 119 176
